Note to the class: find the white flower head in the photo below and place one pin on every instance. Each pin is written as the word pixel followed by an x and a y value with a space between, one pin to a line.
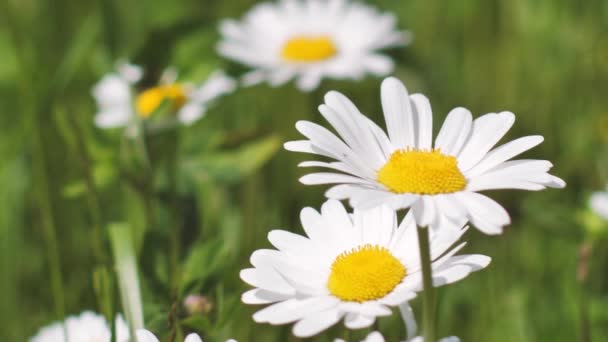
pixel 404 169
pixel 375 336
pixel 311 39
pixel 352 267
pixel 599 204
pixel 120 105
pixel 144 335
pixel 86 327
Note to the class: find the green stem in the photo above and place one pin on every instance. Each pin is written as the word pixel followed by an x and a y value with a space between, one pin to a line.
pixel 428 314
pixel 91 193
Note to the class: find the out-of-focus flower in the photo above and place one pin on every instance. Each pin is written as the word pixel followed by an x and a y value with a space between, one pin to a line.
pixel 147 336
pixel 352 267
pixel 594 218
pixel 196 304
pixel 86 327
pixel 598 202
pixel 377 337
pixel 119 104
pixel 439 182
pixel 311 39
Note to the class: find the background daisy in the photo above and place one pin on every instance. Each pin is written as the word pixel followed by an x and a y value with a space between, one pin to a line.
pixel 375 336
pixel 88 326
pixel 120 103
pixel 439 181
pixel 311 39
pixel 347 267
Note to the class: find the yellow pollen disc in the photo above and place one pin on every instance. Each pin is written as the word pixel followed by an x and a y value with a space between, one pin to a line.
pixel 150 99
pixel 365 273
pixel 308 49
pixel 421 172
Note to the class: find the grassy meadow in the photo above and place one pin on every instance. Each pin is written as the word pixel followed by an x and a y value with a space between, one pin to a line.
pixel 206 195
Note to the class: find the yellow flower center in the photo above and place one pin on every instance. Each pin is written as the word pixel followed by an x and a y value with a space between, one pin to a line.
pixel 421 172
pixel 365 273
pixel 150 99
pixel 305 49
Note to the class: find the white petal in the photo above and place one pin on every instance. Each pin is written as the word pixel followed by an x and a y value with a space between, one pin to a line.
pixel 425 212
pixel 314 324
pixel 454 131
pixel 331 178
pixel 193 338
pixel 145 336
pixel 294 309
pixel 260 296
pixel 115 117
pixel 487 131
pixel 357 321
pixel 458 267
pixel 289 242
pixel 397 113
pixel 266 279
pixel 485 213
pixel 504 153
pixel 422 109
pixel 217 84
pixel 190 113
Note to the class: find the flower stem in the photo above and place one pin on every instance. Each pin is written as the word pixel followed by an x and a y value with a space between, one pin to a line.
pixel 428 314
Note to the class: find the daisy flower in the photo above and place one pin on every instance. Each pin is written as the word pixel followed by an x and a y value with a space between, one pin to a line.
pixel 147 336
pixel 86 327
pixel 377 337
pixel 120 104
pixel 598 202
pixel 311 39
pixel 352 267
pixel 403 169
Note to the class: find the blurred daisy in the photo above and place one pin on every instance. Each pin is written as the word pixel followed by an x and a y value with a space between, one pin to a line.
pixel 405 169
pixel 311 39
pixel 599 204
pixel 146 336
pixel 86 327
pixel 377 337
pixel 352 267
pixel 120 105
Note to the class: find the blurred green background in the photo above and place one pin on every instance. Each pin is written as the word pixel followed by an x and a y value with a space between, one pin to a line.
pixel 545 60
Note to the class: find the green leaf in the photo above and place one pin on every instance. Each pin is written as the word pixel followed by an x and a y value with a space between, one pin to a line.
pixel 234 165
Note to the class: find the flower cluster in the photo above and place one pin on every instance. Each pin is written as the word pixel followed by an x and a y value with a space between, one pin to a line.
pixel 412 194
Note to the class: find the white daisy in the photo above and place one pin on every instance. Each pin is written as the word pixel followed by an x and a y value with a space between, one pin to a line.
pixel 311 39
pixel 599 204
pixel 348 266
pixel 86 327
pixel 120 105
pixel 147 336
pixel 439 181
pixel 377 337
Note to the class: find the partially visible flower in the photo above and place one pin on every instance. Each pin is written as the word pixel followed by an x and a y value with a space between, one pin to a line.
pixel 147 336
pixel 119 104
pixel 598 202
pixel 352 267
pixel 86 327
pixel 440 182
pixel 377 337
pixel 311 39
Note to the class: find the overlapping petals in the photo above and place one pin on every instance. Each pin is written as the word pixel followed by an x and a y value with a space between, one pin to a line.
pixel 356 32
pixel 361 148
pixel 293 278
